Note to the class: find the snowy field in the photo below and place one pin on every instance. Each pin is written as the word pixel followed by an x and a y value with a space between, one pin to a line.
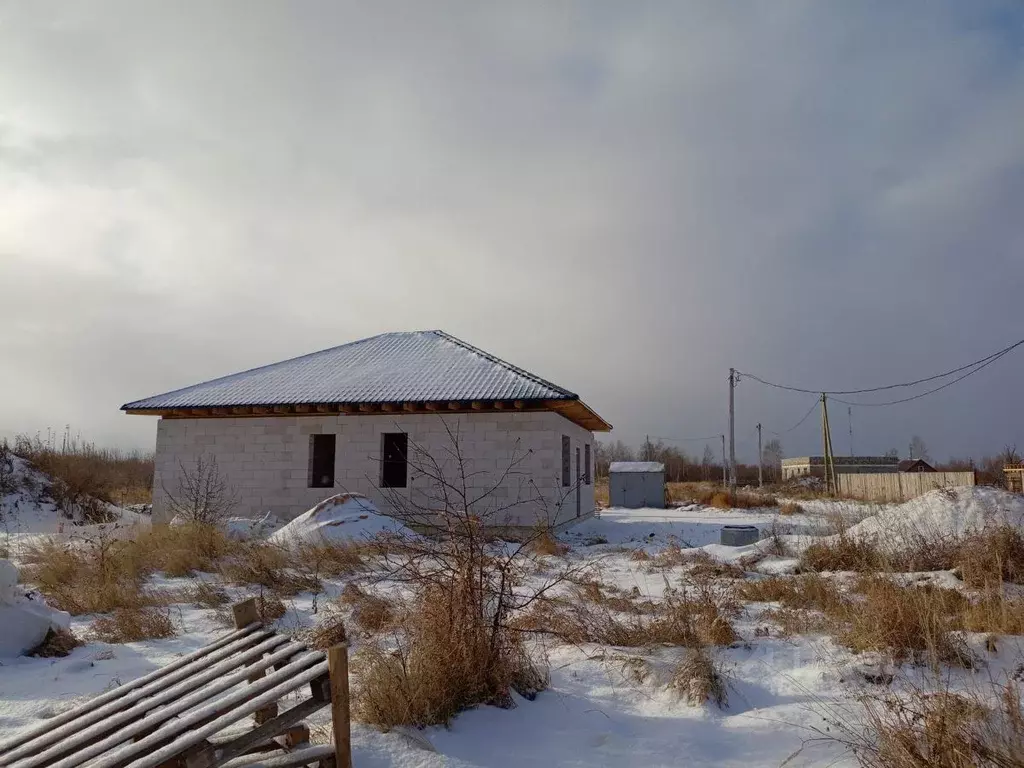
pixel 605 705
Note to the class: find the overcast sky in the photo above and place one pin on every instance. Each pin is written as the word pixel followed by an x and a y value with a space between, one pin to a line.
pixel 625 198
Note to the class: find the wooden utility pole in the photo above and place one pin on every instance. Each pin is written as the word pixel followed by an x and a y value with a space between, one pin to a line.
pixel 760 459
pixel 732 426
pixel 725 475
pixel 826 439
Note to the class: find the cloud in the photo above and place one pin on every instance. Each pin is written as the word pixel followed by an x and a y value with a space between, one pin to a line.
pixel 627 199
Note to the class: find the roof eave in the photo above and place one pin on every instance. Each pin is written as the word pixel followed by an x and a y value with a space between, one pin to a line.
pixel 575 410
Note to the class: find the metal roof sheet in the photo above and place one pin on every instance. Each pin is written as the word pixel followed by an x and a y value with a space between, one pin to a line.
pixel 418 366
pixel 636 466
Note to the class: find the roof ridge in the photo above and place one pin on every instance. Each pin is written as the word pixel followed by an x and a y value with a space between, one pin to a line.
pixel 505 364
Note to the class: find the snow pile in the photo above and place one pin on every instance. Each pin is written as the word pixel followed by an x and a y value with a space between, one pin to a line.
pixel 942 514
pixel 244 528
pixel 345 517
pixel 24 617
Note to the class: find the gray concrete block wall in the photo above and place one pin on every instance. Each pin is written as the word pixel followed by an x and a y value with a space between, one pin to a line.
pixel 265 460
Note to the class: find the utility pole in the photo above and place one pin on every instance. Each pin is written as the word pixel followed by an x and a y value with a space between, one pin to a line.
pixel 760 460
pixel 732 426
pixel 849 415
pixel 725 476
pixel 826 439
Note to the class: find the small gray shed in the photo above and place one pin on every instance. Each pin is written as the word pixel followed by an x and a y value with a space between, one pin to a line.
pixel 635 484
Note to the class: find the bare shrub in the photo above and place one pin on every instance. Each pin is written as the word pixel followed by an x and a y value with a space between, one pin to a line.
pixel 790 508
pixel 7 484
pixel 698 679
pixel 458 646
pixel 56 644
pixel 202 495
pixel 130 625
pixel 639 555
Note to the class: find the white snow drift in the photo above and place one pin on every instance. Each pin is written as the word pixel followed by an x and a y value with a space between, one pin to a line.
pixel 24 617
pixel 347 516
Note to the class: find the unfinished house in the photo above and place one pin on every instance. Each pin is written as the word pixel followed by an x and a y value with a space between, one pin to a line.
pixel 367 417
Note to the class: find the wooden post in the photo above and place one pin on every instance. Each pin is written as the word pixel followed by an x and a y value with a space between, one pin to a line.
pixel 337 661
pixel 245 613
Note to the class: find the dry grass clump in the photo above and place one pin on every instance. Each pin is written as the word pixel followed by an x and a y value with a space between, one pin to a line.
pixel 914 623
pixel 545 543
pixel 130 625
pixel 270 607
pixel 790 508
pixel 371 612
pixel 330 631
pixel 698 679
pixel 705 567
pixel 601 492
pixel 943 730
pixel 639 555
pixel 445 663
pixel 992 557
pixel 263 564
pixel 841 553
pixel 331 558
pixel 84 475
pixel 207 594
pixel 985 558
pixel 57 643
pixel 590 616
pixel 182 550
pixel 95 578
pixel 805 592
pixel 716 496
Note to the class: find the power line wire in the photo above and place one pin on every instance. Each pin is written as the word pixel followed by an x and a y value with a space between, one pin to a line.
pixel 684 439
pixel 982 362
pixel 802 420
pixel 920 394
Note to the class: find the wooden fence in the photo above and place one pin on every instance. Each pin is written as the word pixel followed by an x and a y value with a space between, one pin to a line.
pixel 898 486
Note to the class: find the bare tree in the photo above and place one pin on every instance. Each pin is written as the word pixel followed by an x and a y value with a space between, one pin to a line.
pixel 772 455
pixel 918 449
pixel 707 463
pixel 892 453
pixel 203 495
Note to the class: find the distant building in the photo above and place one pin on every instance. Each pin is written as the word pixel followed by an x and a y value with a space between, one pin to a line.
pixel 915 465
pixel 814 466
pixel 636 484
pixel 1014 477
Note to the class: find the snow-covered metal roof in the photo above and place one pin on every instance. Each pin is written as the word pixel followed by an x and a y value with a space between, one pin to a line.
pixel 636 466
pixel 419 366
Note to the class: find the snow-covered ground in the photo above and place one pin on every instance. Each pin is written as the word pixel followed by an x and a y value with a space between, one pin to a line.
pixel 605 706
